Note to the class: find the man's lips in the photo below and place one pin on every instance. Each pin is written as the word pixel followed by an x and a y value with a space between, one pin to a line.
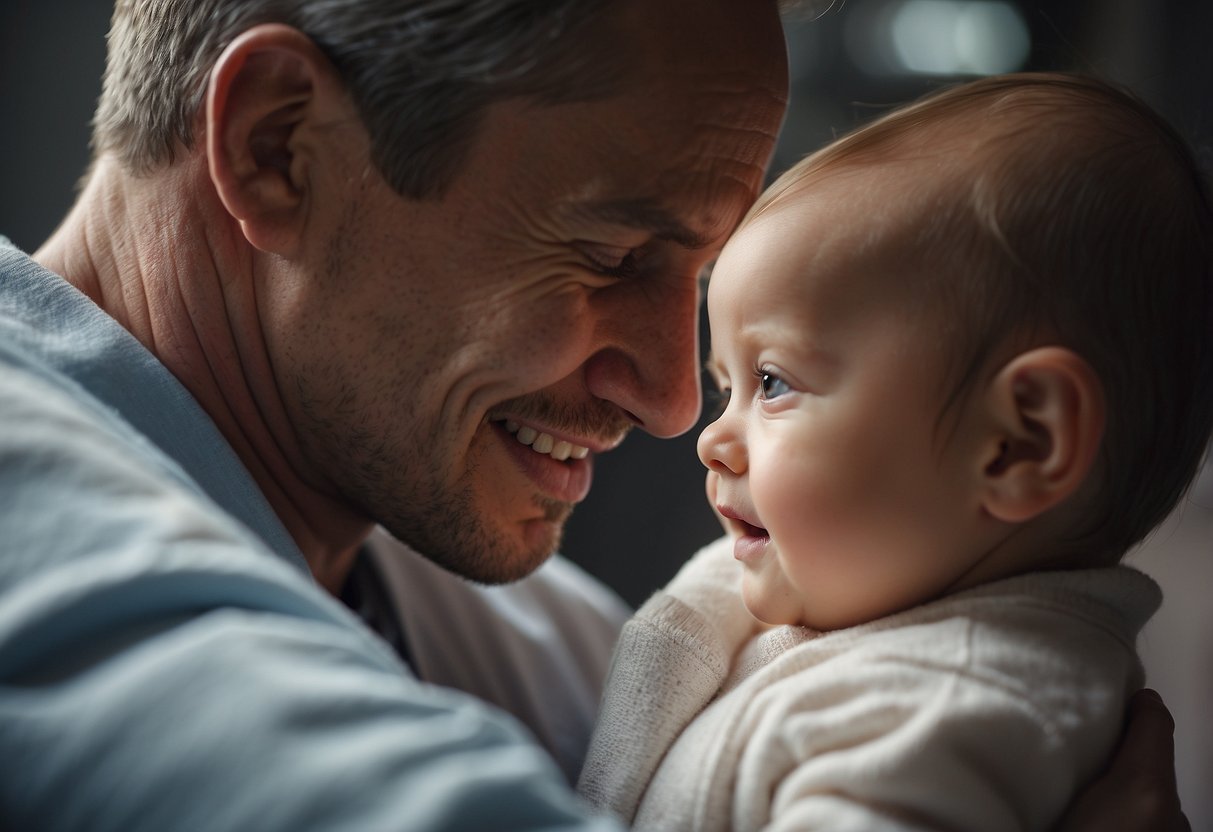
pixel 561 468
pixel 560 445
pixel 543 442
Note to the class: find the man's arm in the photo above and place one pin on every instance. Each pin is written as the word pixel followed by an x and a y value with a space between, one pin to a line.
pixel 1137 791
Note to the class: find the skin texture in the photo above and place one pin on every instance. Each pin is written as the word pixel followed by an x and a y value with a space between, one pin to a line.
pixel 847 499
pixel 360 349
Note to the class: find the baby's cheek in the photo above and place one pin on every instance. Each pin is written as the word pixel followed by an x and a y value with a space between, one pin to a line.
pixel 789 494
pixel 801 507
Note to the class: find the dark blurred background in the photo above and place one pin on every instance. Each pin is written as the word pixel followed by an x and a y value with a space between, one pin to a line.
pixel 647 513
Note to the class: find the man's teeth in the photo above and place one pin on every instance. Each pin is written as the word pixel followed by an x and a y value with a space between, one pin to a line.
pixel 544 443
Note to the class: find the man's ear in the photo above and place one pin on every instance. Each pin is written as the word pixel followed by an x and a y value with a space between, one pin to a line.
pixel 269 92
pixel 1049 409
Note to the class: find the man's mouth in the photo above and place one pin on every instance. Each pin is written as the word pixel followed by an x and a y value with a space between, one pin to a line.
pixel 544 443
pixel 560 469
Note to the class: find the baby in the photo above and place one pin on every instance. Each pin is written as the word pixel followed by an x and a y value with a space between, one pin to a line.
pixel 966 361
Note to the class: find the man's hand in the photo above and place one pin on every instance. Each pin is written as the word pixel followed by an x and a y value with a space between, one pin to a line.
pixel 1137 791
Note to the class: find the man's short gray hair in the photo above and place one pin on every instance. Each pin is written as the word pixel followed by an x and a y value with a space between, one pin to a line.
pixel 419 71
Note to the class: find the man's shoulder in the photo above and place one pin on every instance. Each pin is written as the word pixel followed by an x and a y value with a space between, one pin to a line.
pixel 53 335
pixel 75 477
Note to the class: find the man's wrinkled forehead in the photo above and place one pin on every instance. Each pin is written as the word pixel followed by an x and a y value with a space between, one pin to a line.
pixel 724 59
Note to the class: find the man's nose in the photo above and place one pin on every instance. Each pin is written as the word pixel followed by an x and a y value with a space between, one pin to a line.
pixel 650 366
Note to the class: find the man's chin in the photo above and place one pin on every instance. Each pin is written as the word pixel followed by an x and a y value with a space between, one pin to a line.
pixel 499 569
pixel 485 557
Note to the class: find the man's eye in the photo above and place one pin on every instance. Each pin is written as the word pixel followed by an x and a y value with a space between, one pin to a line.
pixel 771 385
pixel 615 262
pixel 627 267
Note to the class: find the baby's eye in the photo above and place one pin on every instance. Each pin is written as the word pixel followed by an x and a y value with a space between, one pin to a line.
pixel 771 385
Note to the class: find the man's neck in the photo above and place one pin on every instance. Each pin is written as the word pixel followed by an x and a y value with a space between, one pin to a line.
pixel 163 258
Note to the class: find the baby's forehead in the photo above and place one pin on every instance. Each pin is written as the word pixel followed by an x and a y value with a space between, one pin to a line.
pixel 857 235
pixel 863 207
pixel 936 193
pixel 924 163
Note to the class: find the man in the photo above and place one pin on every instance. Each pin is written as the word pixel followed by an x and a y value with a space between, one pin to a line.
pixel 339 264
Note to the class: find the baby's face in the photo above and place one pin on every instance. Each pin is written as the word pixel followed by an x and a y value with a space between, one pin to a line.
pixel 845 500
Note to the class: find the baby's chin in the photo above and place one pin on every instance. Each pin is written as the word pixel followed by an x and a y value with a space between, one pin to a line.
pixel 770 613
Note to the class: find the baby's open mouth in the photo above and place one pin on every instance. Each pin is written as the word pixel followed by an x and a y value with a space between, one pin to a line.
pixel 750 530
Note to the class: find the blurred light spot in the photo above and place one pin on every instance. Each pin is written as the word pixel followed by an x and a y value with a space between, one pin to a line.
pixel 991 38
pixel 939 37
pixel 923 34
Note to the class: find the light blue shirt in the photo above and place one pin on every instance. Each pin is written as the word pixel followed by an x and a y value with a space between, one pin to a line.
pixel 166 662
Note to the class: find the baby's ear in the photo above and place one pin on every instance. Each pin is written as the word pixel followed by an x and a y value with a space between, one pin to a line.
pixel 1048 414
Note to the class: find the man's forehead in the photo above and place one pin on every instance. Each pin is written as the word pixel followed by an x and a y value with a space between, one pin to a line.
pixel 726 58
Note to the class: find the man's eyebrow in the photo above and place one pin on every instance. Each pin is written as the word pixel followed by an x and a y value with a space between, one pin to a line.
pixel 648 215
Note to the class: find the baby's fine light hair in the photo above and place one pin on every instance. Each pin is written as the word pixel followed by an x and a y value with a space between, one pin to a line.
pixel 1058 209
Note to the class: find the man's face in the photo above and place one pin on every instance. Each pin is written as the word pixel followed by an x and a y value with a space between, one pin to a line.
pixel 452 366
